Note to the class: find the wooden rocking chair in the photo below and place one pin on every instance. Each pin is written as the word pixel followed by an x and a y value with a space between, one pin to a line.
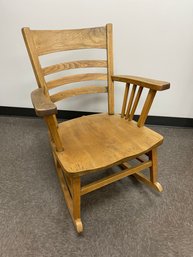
pixel 95 142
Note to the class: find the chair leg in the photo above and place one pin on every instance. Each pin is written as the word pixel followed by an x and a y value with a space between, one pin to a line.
pixel 154 169
pixel 76 203
pixel 72 195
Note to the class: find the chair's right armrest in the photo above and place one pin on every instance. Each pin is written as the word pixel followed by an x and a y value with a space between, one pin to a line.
pixel 143 82
pixel 42 104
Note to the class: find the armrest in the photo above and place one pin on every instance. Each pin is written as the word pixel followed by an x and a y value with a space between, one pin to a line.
pixel 144 82
pixel 43 105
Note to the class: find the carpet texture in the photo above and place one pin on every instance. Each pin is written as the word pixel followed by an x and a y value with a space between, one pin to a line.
pixel 123 219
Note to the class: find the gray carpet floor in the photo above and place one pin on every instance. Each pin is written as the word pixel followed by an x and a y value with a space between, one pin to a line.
pixel 123 219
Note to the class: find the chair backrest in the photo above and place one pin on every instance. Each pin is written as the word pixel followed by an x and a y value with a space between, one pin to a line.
pixel 43 42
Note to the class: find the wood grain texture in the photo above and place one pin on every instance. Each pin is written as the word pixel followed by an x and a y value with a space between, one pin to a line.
pixel 42 104
pixel 52 126
pixel 76 78
pixel 130 101
pixel 64 188
pixel 109 28
pixel 125 100
pixel 136 101
pixel 73 203
pixel 74 65
pixel 114 177
pixel 144 82
pixel 78 91
pixel 49 41
pixel 96 142
pixel 29 42
pixel 76 197
pixel 141 177
pixel 103 140
pixel 146 107
pixel 154 169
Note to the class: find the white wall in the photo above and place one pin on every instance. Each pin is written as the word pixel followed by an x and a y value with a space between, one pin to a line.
pixel 152 38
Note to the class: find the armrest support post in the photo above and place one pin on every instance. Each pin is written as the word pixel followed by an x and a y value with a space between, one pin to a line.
pixel 146 107
pixel 50 121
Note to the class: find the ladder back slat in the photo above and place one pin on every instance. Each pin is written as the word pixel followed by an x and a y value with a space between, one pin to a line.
pixel 74 65
pixel 78 91
pixel 135 103
pixel 76 78
pixel 125 99
pixel 49 41
pixel 130 101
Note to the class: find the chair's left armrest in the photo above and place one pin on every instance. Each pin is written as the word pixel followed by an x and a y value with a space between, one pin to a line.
pixel 143 82
pixel 43 105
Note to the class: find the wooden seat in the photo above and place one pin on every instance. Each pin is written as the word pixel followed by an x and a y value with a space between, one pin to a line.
pixel 96 142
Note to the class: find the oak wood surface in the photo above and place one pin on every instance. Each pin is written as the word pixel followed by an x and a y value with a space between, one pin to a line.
pixel 49 41
pixel 114 177
pixel 73 203
pixel 141 177
pixel 76 197
pixel 144 82
pixel 92 143
pixel 130 101
pixel 78 91
pixel 33 55
pixel 98 141
pixel 125 100
pixel 136 101
pixel 40 42
pixel 74 65
pixel 109 36
pixel 52 126
pixel 42 104
pixel 154 168
pixel 76 78
pixel 146 107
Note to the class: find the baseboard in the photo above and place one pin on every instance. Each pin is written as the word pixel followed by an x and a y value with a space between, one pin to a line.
pixel 66 114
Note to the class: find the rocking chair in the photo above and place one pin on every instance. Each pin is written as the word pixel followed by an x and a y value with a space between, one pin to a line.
pixel 95 142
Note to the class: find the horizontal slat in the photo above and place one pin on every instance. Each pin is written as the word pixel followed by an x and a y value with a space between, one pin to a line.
pixel 74 65
pixel 78 91
pixel 49 41
pixel 112 178
pixel 76 78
